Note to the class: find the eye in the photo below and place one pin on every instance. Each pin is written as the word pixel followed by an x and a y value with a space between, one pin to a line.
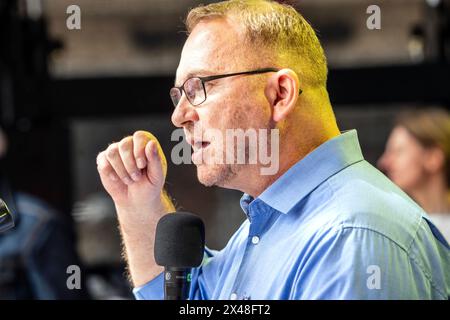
pixel 191 87
pixel 210 84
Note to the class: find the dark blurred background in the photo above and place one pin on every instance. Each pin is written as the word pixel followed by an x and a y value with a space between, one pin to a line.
pixel 65 94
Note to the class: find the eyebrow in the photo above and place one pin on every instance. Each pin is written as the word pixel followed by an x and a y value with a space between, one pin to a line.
pixel 193 73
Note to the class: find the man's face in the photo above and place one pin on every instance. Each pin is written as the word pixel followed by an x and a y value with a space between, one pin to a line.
pixel 216 47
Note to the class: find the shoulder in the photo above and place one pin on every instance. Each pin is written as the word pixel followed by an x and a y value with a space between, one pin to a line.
pixel 365 199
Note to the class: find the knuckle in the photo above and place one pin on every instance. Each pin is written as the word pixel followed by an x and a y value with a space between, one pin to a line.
pixel 140 134
pixel 103 166
pixel 125 145
pixel 102 162
pixel 143 135
pixel 112 151
pixel 100 157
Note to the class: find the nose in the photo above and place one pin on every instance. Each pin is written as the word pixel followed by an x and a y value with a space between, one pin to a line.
pixel 383 162
pixel 184 113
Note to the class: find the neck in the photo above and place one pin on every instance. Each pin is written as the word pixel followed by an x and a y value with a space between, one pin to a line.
pixel 252 182
pixel 433 195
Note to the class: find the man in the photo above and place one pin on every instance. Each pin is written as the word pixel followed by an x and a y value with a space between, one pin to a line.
pixel 326 225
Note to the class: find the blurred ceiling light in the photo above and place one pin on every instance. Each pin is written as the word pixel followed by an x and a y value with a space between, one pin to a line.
pixel 34 9
pixel 433 3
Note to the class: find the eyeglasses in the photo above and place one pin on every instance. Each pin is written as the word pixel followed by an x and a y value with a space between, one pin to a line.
pixel 194 87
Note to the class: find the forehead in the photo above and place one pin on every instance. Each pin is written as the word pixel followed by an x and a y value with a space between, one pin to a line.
pixel 402 137
pixel 213 46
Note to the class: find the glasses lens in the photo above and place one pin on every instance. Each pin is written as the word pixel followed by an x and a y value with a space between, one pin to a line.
pixel 175 95
pixel 194 91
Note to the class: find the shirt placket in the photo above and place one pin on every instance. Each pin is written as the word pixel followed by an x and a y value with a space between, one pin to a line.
pixel 258 215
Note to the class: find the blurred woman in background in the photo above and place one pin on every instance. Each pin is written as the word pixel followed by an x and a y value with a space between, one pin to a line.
pixel 417 159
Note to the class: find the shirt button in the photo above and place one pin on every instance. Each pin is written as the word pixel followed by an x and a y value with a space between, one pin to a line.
pixel 255 239
pixel 233 296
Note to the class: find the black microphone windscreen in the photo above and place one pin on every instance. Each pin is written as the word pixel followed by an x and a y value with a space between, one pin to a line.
pixel 179 240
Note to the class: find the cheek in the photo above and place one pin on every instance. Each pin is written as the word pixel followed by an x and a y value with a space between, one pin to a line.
pixel 251 114
pixel 407 169
pixel 209 117
pixel 237 111
pixel 234 115
pixel 415 158
pixel 407 162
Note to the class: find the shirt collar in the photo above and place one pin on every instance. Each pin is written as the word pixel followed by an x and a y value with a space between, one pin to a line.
pixel 326 160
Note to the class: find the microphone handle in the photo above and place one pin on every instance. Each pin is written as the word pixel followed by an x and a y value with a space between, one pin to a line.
pixel 177 282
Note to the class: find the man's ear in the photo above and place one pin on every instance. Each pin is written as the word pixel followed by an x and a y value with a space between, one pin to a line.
pixel 282 91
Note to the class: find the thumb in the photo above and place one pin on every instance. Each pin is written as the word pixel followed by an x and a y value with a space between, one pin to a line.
pixel 157 166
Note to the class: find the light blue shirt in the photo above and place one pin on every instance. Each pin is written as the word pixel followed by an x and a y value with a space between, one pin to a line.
pixel 331 227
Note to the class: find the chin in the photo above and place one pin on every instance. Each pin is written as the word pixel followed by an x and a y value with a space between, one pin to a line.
pixel 213 175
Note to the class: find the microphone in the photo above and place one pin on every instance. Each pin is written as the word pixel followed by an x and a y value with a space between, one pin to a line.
pixel 6 219
pixel 179 246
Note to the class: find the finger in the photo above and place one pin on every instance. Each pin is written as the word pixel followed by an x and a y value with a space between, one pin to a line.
pixel 104 168
pixel 114 159
pixel 128 160
pixel 140 140
pixel 155 171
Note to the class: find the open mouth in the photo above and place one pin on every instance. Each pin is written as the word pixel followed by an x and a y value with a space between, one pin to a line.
pixel 200 145
pixel 198 148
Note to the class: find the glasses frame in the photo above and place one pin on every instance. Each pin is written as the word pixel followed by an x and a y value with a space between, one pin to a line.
pixel 215 77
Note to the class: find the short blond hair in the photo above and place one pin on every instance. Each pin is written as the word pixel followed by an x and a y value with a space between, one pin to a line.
pixel 279 28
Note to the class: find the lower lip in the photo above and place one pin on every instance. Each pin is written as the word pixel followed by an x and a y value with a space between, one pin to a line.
pixel 197 156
